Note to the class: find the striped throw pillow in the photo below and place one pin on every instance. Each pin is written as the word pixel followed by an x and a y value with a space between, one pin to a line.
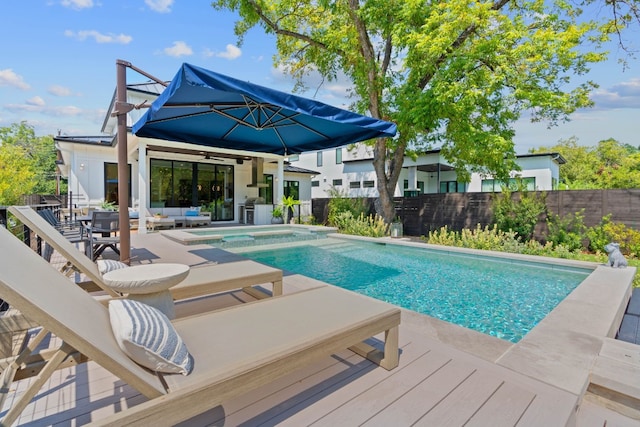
pixel 147 336
pixel 107 265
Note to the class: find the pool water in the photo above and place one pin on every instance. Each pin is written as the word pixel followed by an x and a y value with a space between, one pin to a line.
pixel 499 297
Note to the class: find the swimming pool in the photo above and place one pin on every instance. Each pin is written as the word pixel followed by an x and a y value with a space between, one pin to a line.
pixel 497 296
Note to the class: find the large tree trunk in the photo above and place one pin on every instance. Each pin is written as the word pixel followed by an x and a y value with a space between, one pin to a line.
pixel 388 165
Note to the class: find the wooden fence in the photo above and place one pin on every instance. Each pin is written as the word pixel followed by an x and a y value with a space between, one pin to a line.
pixel 429 212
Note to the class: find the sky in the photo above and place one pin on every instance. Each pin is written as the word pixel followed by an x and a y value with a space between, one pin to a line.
pixel 58 66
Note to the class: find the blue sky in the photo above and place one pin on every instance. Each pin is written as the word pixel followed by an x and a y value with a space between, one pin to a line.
pixel 58 72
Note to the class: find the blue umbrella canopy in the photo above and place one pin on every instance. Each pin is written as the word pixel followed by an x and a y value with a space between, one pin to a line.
pixel 206 108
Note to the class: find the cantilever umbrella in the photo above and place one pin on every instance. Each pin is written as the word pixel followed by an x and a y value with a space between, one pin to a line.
pixel 206 108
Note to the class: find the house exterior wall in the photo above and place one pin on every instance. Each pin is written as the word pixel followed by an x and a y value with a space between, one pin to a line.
pixel 357 166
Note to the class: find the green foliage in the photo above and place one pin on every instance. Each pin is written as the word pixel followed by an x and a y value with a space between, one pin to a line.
pixel 38 153
pixel 494 239
pixel 610 164
pixel 277 212
pixel 340 202
pixel 108 206
pixel 487 238
pixel 608 231
pixel 370 226
pixel 17 176
pixel 568 231
pixel 519 216
pixel 455 74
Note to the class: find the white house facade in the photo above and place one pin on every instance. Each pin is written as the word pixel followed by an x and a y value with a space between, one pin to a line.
pixel 350 170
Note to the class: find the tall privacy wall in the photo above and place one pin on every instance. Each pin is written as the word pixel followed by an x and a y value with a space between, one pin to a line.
pixel 428 212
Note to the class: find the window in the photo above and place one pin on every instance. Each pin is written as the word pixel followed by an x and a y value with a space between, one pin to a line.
pixel 368 184
pixel 452 187
pixel 292 189
pixel 354 184
pixel 267 192
pixel 338 156
pixel 337 182
pixel 319 158
pixel 420 186
pixel 294 157
pixel 315 183
pixel 184 184
pixel 111 183
pixel 514 184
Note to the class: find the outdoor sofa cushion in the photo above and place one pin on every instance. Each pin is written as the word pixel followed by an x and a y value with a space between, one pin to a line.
pixel 148 337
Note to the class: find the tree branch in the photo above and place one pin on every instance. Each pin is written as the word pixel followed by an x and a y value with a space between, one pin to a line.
pixel 462 37
pixel 276 29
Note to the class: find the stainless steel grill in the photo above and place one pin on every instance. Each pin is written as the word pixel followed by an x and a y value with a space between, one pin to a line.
pixel 249 208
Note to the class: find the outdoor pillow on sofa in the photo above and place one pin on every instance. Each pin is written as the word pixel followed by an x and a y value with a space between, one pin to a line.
pixel 147 336
pixel 191 213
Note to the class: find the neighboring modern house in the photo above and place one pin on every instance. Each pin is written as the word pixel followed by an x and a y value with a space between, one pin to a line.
pixel 350 170
pixel 165 174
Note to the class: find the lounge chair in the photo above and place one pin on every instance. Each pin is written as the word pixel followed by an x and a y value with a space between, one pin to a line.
pixel 234 350
pixel 200 281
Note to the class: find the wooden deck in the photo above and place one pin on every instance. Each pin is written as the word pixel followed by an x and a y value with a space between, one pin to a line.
pixel 436 384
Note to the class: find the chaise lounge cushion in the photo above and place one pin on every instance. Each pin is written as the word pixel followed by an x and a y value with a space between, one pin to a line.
pixel 148 337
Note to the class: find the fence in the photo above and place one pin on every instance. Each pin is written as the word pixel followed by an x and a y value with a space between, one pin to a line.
pixel 429 212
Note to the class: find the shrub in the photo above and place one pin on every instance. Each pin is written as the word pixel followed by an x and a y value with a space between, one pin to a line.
pixel 568 231
pixel 519 216
pixel 609 231
pixel 340 202
pixel 370 226
pixel 478 238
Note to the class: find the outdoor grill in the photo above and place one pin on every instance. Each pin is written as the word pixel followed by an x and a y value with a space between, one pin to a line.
pixel 250 207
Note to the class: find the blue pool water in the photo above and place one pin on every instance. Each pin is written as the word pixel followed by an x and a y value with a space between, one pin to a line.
pixel 502 298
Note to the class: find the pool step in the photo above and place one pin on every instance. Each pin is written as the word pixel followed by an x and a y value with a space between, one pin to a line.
pixel 614 377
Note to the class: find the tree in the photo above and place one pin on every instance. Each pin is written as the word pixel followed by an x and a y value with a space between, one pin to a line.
pixel 39 152
pixel 456 74
pixel 608 165
pixel 17 176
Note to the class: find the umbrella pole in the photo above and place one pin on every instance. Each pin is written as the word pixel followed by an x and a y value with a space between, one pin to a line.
pixel 123 169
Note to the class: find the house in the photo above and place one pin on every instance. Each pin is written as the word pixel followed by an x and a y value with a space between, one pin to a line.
pixel 167 177
pixel 350 170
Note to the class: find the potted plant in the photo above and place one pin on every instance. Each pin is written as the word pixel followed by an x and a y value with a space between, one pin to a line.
pixel 288 202
pixel 108 206
pixel 276 215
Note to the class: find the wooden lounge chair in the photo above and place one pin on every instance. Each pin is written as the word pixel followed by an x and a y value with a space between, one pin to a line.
pixel 234 350
pixel 200 281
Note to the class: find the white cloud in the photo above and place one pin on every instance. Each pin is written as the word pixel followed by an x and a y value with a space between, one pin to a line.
pixel 58 90
pixel 99 37
pixel 36 101
pixel 621 95
pixel 9 78
pixel 160 6
pixel 232 52
pixel 56 111
pixel 178 49
pixel 77 4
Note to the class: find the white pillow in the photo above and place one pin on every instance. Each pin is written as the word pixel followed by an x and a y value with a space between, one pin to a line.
pixel 148 337
pixel 107 265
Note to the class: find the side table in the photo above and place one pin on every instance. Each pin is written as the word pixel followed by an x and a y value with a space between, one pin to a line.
pixel 149 283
